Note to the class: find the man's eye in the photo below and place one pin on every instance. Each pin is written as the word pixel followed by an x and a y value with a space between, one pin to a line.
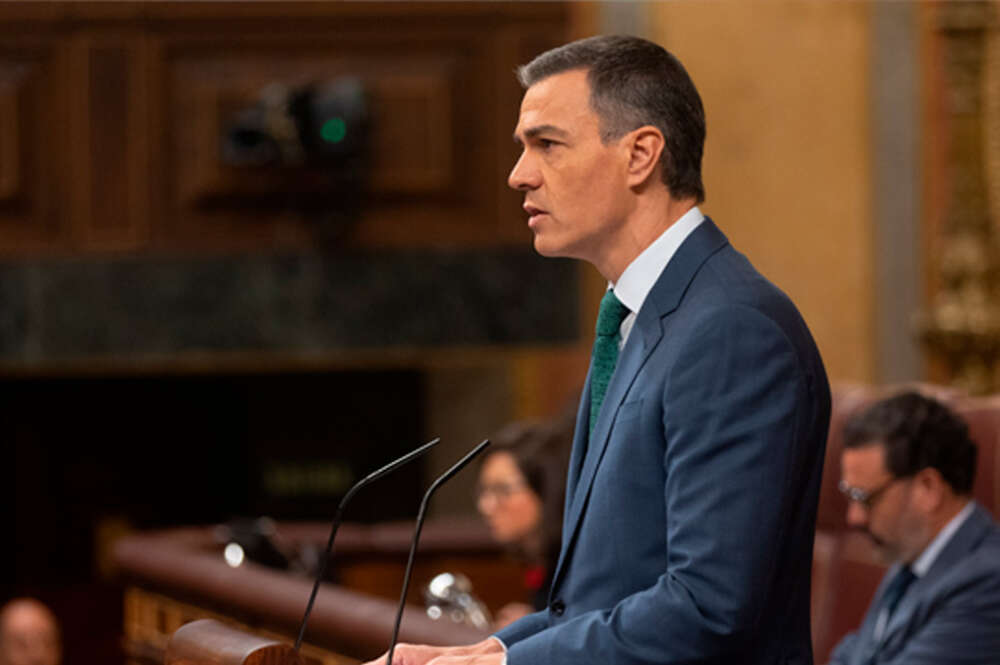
pixel 545 144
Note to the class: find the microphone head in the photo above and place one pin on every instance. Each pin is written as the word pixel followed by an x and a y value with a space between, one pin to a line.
pixel 446 586
pixel 450 594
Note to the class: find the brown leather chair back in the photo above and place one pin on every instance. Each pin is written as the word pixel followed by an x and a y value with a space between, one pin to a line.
pixel 846 566
pixel 981 413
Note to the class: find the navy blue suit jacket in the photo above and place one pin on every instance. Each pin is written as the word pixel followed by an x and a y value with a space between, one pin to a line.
pixel 950 616
pixel 690 513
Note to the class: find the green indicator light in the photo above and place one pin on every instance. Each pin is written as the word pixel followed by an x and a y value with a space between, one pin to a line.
pixel 334 130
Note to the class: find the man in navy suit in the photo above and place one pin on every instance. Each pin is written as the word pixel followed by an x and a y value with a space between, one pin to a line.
pixel 907 467
pixel 699 443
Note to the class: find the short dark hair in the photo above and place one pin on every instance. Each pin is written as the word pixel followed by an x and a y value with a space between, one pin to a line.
pixel 634 82
pixel 918 433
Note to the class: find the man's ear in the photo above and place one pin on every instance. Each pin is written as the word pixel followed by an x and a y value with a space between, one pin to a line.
pixel 645 145
pixel 930 488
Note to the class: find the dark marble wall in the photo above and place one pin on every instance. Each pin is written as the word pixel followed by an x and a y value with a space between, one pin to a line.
pixel 71 309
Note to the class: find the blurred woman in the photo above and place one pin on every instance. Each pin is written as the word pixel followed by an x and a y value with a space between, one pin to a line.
pixel 522 482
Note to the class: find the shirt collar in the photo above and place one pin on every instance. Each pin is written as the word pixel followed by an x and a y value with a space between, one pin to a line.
pixel 639 277
pixel 931 552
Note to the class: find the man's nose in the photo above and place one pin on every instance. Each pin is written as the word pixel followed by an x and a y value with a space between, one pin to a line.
pixel 524 176
pixel 857 515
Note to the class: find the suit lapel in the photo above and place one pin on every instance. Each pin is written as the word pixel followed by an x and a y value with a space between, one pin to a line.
pixel 662 300
pixel 590 453
pixel 867 646
pixel 578 452
pixel 629 362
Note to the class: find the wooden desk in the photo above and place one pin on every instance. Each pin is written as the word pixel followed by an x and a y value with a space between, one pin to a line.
pixel 180 575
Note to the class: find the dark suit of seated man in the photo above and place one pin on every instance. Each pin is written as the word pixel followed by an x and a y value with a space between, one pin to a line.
pixel 907 470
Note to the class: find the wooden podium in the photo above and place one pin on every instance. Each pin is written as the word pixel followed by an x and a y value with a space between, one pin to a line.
pixel 178 576
pixel 209 642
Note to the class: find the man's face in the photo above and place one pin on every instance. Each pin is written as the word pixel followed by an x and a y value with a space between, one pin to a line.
pixel 29 636
pixel 889 517
pixel 575 188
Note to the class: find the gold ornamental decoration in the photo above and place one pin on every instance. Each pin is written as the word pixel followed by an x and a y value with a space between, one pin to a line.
pixel 992 101
pixel 962 326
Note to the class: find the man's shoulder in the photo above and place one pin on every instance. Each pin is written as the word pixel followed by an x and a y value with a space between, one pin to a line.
pixel 728 282
pixel 707 270
pixel 985 531
pixel 731 276
pixel 976 572
pixel 710 285
pixel 989 550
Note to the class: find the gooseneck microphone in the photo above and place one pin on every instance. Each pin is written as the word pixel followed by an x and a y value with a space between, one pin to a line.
pixel 459 465
pixel 371 477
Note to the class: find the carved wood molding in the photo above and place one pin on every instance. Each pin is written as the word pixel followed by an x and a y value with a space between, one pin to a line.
pixel 992 120
pixel 962 326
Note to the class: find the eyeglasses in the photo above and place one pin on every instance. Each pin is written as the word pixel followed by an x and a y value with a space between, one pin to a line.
pixel 865 497
pixel 499 491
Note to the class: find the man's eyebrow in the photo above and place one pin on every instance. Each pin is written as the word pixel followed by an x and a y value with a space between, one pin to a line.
pixel 532 132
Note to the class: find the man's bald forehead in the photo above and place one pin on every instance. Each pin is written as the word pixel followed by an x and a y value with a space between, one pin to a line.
pixel 21 611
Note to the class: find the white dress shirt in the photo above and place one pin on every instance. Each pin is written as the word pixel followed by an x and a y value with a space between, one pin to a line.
pixel 639 277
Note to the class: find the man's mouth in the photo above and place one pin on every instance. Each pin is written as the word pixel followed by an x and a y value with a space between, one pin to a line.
pixel 534 212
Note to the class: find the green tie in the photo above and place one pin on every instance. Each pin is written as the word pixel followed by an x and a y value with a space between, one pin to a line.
pixel 609 320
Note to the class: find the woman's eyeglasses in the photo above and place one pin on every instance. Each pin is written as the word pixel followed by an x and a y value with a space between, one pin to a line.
pixel 498 491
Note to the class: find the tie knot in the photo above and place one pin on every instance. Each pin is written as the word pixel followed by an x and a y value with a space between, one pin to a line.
pixel 897 587
pixel 611 314
pixel 905 577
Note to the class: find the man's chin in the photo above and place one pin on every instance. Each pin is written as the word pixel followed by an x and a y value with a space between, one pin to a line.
pixel 548 249
pixel 885 553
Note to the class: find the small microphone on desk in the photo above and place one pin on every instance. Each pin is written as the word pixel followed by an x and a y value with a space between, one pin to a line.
pixel 459 465
pixel 371 477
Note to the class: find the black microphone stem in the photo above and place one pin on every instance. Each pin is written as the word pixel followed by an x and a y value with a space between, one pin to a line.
pixel 459 465
pixel 371 477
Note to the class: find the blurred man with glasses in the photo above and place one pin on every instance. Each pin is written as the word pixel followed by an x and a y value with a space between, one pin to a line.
pixel 907 471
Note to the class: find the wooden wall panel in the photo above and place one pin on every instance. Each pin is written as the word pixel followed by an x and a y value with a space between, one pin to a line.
pixel 10 142
pixel 112 115
pixel 412 130
pixel 109 186
pixel 32 145
pixel 432 173
pixel 413 140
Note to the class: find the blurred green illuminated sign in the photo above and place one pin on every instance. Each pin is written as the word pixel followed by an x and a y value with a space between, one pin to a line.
pixel 334 130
